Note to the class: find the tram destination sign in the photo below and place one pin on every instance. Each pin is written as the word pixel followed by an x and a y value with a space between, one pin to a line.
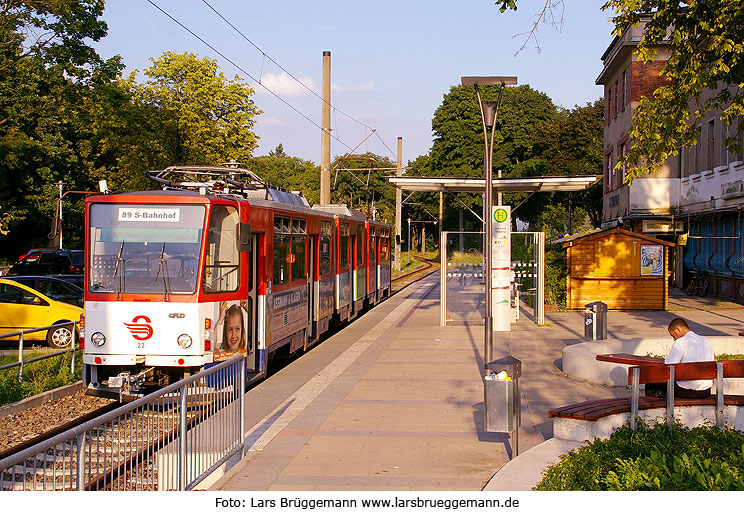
pixel 149 214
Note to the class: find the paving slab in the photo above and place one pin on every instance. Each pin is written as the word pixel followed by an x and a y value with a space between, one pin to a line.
pixel 394 402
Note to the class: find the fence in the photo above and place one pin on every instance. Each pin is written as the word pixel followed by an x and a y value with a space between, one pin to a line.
pixel 21 362
pixel 171 439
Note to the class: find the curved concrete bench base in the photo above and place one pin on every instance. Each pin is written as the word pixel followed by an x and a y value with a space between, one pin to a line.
pixel 579 360
pixel 690 416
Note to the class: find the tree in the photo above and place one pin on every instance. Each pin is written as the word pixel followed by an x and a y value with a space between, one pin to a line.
pixel 707 57
pixel 279 152
pixel 458 142
pixel 211 118
pixel 458 132
pixel 289 173
pixel 48 74
pixel 359 183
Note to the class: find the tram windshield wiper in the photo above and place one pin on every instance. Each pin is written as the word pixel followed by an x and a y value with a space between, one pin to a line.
pixel 119 275
pixel 163 265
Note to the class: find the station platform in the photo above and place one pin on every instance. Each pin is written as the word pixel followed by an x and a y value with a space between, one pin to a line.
pixel 394 402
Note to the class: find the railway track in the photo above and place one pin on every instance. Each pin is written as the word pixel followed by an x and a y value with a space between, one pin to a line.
pixel 406 278
pixel 134 450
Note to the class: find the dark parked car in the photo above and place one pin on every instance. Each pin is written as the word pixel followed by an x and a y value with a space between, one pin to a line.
pixel 53 287
pixel 50 262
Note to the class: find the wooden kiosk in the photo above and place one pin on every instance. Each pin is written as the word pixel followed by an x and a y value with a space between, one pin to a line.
pixel 618 267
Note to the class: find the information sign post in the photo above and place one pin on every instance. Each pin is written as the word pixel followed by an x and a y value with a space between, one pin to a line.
pixel 501 267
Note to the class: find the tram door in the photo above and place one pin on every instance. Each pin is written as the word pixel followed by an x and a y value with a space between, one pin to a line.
pixel 252 336
pixel 312 329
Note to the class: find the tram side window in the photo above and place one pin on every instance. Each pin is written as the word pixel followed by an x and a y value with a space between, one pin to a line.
pixel 384 246
pixel 222 263
pixel 360 246
pixel 343 248
pixel 299 241
pixel 325 247
pixel 371 246
pixel 281 250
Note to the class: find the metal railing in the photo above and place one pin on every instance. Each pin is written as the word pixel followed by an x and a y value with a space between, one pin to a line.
pixel 21 362
pixel 171 439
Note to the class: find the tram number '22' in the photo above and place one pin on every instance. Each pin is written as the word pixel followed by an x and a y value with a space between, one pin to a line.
pixel 140 345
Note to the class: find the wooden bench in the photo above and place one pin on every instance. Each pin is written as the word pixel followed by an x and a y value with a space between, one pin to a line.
pixel 658 373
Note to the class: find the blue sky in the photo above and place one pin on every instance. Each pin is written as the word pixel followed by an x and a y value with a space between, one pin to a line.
pixel 392 61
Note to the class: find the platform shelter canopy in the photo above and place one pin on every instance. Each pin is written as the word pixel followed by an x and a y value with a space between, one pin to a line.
pixel 525 184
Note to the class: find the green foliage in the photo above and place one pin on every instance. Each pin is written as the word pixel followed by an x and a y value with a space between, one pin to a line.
pixel 358 181
pixel 569 144
pixel 706 54
pixel 48 79
pixel 289 173
pixel 555 275
pixel 212 117
pixel 38 376
pixel 681 459
pixel 458 132
pixel 704 73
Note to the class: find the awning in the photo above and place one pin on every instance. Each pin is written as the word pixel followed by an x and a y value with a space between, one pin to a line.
pixel 526 184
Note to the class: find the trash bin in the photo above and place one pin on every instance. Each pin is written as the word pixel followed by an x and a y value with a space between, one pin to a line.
pixel 595 321
pixel 501 396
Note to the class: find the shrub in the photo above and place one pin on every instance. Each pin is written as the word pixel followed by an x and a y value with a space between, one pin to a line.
pixel 653 458
pixel 555 275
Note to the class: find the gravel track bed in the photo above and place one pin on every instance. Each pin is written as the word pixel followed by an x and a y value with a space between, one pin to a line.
pixel 27 424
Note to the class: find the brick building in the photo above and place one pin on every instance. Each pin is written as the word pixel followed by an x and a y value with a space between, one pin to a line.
pixel 698 194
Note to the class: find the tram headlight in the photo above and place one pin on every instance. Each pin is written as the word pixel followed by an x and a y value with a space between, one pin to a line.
pixel 185 341
pixel 98 339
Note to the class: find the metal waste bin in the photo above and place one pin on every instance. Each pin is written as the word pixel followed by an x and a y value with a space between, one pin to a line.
pixel 595 321
pixel 501 397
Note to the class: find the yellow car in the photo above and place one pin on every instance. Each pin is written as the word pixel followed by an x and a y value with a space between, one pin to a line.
pixel 24 308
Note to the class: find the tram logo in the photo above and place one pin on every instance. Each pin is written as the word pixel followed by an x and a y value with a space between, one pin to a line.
pixel 140 331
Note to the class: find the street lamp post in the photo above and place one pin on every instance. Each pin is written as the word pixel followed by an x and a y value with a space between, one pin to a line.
pixel 489 113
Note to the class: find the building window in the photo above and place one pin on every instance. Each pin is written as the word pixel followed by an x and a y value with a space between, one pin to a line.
pixel 711 161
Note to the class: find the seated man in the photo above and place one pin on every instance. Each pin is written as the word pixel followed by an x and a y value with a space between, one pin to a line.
pixel 687 347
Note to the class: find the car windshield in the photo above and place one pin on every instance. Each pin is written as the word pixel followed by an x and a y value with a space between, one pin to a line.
pixel 144 248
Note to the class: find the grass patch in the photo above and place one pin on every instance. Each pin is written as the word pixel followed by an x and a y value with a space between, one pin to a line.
pixel 465 258
pixel 407 266
pixel 38 377
pixel 653 458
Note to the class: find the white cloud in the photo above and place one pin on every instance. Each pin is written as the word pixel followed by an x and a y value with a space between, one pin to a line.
pixel 284 85
pixel 365 88
pixel 263 120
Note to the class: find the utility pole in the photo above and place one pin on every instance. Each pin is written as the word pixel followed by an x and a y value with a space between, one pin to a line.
pixel 325 142
pixel 60 186
pixel 398 206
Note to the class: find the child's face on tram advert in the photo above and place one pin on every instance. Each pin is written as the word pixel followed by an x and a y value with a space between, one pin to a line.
pixel 233 329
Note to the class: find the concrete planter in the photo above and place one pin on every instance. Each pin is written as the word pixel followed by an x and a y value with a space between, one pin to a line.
pixel 579 360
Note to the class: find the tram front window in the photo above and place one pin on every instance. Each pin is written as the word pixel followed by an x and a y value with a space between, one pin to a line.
pixel 144 249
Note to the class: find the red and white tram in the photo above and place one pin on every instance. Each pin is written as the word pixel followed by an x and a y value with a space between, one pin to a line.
pixel 217 264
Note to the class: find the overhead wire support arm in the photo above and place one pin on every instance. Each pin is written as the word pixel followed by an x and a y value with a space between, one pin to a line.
pixel 480 218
